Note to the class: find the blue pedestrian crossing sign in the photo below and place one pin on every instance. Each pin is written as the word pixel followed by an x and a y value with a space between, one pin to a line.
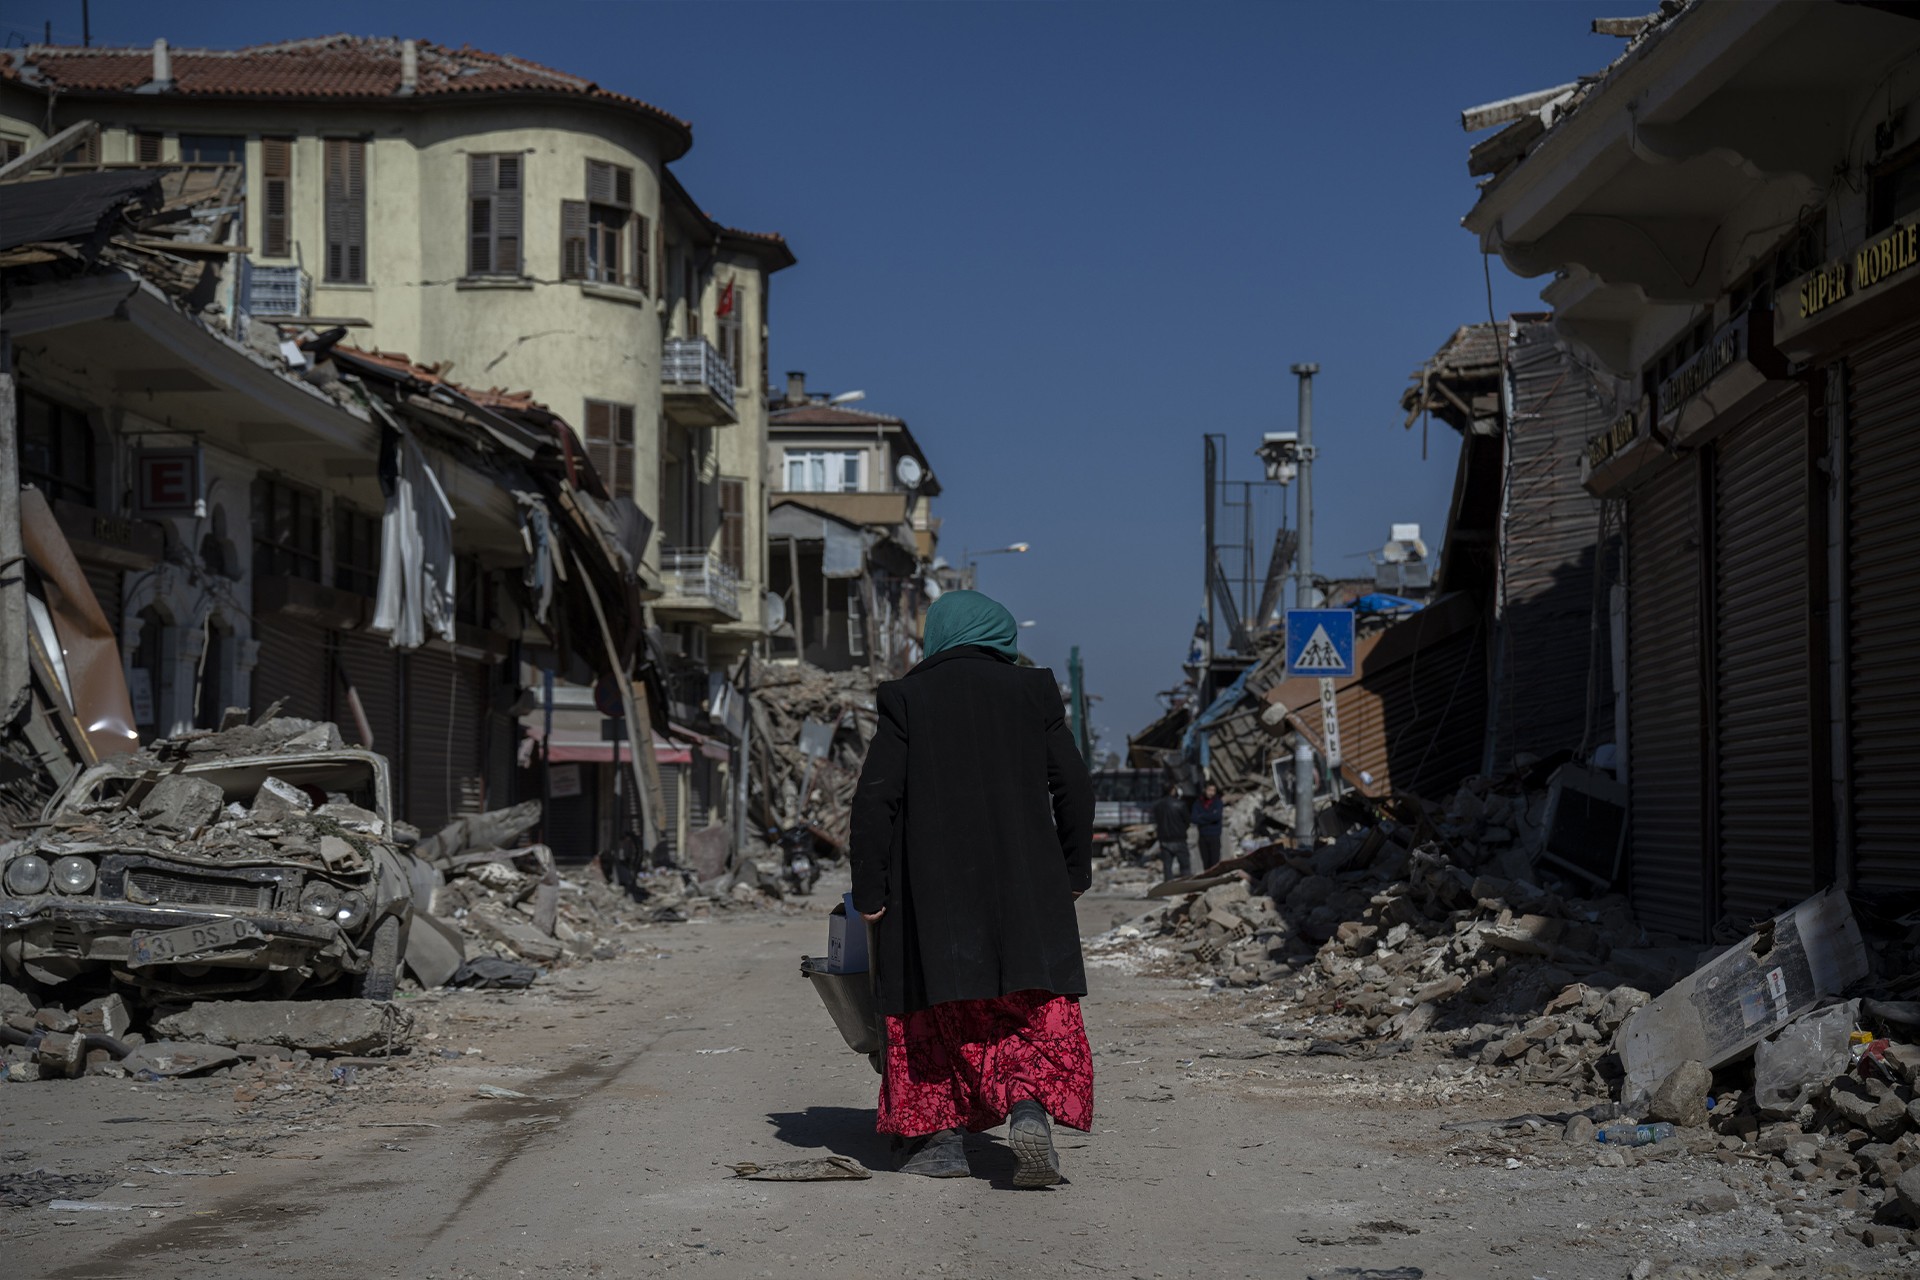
pixel 1319 642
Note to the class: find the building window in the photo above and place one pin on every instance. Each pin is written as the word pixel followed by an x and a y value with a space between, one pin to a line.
pixel 356 550
pixel 824 470
pixel 146 148
pixel 728 311
pixel 601 239
pixel 856 622
pixel 56 449
pixel 733 524
pixel 493 215
pixel 610 445
pixel 11 149
pixel 276 182
pixel 86 152
pixel 690 292
pixel 346 211
pixel 208 148
pixel 286 530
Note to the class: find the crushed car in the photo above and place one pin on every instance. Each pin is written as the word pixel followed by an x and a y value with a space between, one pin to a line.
pixel 259 860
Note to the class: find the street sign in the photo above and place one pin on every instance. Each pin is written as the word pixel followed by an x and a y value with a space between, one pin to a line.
pixel 1319 642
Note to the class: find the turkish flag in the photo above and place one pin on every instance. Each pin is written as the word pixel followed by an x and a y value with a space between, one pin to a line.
pixel 726 300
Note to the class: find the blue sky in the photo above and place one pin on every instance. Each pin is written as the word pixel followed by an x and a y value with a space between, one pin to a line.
pixel 1064 241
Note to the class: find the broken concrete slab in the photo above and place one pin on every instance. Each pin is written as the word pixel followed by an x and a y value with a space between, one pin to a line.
pixel 318 1026
pixel 1747 993
pixel 1682 1097
pixel 501 925
pixel 107 1016
pixel 278 799
pixel 171 1058
pixel 435 950
pixel 183 802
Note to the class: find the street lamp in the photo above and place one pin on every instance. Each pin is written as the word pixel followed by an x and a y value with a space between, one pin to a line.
pixel 968 557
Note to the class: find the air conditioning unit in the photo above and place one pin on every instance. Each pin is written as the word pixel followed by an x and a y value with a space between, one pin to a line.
pixel 276 291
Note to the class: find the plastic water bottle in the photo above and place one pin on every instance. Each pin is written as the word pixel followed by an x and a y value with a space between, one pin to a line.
pixel 1634 1135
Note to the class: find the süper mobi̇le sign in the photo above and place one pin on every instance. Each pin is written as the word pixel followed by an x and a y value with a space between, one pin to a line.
pixel 1621 451
pixel 1841 294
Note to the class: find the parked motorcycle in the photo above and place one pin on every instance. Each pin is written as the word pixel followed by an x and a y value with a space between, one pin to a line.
pixel 799 857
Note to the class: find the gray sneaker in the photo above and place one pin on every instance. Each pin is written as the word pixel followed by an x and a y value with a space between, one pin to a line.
pixel 938 1155
pixel 1030 1134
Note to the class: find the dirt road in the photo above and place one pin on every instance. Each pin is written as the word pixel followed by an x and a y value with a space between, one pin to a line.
pixel 646 1078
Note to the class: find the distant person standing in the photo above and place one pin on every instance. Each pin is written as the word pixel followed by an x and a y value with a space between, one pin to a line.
pixel 1209 811
pixel 1170 826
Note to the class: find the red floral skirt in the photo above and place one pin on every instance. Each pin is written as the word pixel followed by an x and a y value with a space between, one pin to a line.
pixel 963 1064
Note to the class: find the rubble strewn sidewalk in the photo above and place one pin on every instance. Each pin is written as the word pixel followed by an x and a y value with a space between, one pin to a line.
pixel 1433 929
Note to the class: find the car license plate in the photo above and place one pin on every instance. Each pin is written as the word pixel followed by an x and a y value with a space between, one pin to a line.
pixel 171 945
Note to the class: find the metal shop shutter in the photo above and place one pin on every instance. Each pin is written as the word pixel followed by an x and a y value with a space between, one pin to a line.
pixel 1664 704
pixel 432 791
pixel 292 668
pixel 1763 717
pixel 1883 478
pixel 373 666
pixel 471 727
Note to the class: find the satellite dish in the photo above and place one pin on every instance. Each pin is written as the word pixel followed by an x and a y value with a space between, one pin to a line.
pixel 848 397
pixel 909 471
pixel 776 610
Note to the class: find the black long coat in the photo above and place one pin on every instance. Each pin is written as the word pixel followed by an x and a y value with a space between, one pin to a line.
pixel 973 826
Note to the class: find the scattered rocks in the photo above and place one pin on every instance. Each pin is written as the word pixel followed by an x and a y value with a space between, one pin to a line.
pixel 1682 1096
pixel 318 1026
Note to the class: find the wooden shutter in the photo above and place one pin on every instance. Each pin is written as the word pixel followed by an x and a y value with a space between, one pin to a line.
pixel 660 259
pixel 599 182
pixel 506 215
pixel 346 210
pixel 600 440
pixel 493 215
pixel 146 148
pixel 621 485
pixel 573 240
pixel 642 252
pixel 733 524
pixel 276 156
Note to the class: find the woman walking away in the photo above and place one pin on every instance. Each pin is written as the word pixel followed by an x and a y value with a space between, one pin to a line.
pixel 972 835
pixel 1209 810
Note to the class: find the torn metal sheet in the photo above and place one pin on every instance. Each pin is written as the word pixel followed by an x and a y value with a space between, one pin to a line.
pixel 1740 997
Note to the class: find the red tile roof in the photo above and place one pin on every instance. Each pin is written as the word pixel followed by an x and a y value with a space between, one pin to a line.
pixel 342 67
pixel 826 415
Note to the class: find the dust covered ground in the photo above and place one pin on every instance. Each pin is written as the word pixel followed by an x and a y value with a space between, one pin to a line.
pixel 1220 1150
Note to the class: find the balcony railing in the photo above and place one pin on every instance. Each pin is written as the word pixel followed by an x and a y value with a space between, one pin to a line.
pixel 693 363
pixel 695 575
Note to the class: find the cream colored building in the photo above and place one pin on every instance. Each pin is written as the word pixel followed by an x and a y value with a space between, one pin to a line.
pixel 508 224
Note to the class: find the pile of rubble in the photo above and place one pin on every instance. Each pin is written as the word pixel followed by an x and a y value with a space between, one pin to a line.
pixel 810 734
pixel 1435 928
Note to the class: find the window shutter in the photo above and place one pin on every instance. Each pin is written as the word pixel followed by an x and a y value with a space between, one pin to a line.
pixel 623 187
pixel 356 210
pixel 622 486
pixel 336 216
pixel 600 439
pixel 599 182
pixel 277 166
pixel 642 251
pixel 573 240
pixel 660 259
pixel 733 524
pixel 506 215
pixel 479 215
pixel 146 148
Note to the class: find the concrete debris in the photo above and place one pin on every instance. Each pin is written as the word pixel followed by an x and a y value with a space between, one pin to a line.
pixel 164 1059
pixel 828 1169
pixel 810 734
pixel 317 1026
pixel 1681 1098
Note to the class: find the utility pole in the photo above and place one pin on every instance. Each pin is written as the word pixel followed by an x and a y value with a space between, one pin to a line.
pixel 1077 708
pixel 1303 559
pixel 14 675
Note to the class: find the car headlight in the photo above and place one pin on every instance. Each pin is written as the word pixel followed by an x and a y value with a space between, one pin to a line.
pixel 321 900
pixel 73 874
pixel 28 874
pixel 352 909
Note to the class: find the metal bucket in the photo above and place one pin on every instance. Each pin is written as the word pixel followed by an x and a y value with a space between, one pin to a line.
pixel 849 999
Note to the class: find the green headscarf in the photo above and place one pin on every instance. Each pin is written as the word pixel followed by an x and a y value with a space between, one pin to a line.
pixel 967 617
